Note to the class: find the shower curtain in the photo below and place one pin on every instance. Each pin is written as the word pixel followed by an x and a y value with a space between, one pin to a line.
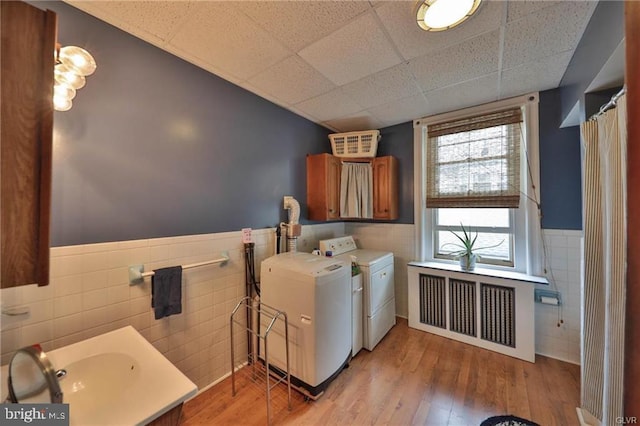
pixel 356 191
pixel 605 166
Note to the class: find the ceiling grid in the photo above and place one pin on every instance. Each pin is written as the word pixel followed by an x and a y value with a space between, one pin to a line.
pixel 353 65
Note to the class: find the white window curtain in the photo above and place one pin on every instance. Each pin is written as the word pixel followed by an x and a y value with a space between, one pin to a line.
pixel 605 189
pixel 356 190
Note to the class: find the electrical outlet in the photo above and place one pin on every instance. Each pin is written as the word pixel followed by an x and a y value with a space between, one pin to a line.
pixel 246 236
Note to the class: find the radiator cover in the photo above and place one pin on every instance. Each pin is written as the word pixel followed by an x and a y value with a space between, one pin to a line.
pixel 495 313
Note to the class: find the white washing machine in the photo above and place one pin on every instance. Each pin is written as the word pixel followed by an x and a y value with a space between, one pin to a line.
pixel 315 293
pixel 379 313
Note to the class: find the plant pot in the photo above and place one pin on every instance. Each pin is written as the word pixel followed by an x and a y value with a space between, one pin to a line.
pixel 468 262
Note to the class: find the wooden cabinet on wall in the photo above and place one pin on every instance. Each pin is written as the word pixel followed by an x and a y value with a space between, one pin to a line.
pixel 323 187
pixel 385 188
pixel 26 113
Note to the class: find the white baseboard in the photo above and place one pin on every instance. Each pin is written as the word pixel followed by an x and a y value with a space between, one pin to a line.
pixel 586 419
pixel 558 358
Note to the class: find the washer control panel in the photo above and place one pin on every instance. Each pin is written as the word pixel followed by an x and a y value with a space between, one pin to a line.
pixel 337 245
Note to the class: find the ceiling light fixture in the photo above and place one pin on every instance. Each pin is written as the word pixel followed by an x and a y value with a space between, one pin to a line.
pixel 72 65
pixel 440 15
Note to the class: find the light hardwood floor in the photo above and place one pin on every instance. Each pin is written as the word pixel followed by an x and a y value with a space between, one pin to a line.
pixel 411 377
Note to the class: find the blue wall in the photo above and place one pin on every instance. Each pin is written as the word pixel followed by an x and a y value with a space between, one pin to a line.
pixel 560 166
pixel 595 100
pixel 603 34
pixel 155 146
pixel 398 141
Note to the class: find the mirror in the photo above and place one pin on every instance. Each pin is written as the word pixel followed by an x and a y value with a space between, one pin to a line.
pixel 32 378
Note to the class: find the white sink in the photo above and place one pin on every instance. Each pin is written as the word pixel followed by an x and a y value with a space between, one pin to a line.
pixel 118 378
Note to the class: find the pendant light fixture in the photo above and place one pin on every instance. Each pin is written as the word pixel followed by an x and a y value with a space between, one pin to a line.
pixel 72 65
pixel 440 15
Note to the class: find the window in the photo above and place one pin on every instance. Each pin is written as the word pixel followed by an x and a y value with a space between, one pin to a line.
pixel 468 172
pixel 475 161
pixel 494 227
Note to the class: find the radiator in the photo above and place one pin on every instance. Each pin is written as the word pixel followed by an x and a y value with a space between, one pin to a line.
pixel 495 313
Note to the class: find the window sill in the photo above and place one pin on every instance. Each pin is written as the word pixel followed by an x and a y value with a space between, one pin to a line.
pixel 494 273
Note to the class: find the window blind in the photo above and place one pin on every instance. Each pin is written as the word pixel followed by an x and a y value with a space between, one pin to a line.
pixel 475 161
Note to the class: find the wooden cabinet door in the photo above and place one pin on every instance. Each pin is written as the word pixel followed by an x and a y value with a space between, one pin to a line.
pixel 26 111
pixel 323 187
pixel 385 188
pixel 334 170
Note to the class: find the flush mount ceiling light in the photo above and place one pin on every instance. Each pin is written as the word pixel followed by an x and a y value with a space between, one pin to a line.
pixel 72 65
pixel 440 15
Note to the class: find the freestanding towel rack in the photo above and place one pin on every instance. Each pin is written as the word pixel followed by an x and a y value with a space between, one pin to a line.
pixel 257 369
pixel 137 274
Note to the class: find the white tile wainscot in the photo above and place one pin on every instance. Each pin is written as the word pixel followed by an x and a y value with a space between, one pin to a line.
pixel 558 327
pixel 487 308
pixel 90 295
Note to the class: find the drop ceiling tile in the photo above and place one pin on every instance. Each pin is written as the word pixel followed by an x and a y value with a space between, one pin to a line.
pixel 329 106
pixel 100 10
pixel 361 45
pixel 299 23
pixel 532 77
pixel 237 45
pixel 401 110
pixel 546 32
pixel 94 8
pixel 399 19
pixel 463 95
pixel 468 60
pixel 87 4
pixel 292 80
pixel 383 87
pixel 355 122
pixel 518 9
pixel 358 49
pixel 156 18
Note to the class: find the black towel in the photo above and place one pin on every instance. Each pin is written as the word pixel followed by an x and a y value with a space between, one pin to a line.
pixel 166 291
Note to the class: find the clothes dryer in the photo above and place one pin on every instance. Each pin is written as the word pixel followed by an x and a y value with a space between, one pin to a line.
pixel 379 313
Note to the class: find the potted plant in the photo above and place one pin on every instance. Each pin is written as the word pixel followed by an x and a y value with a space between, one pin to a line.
pixel 465 249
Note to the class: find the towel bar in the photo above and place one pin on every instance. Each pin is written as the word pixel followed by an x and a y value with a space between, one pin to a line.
pixel 137 274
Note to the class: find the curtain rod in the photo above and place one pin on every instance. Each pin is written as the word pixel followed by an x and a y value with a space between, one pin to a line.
pixel 611 104
pixel 357 160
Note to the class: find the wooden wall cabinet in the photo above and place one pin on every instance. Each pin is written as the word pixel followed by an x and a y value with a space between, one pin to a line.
pixel 323 187
pixel 385 188
pixel 26 114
